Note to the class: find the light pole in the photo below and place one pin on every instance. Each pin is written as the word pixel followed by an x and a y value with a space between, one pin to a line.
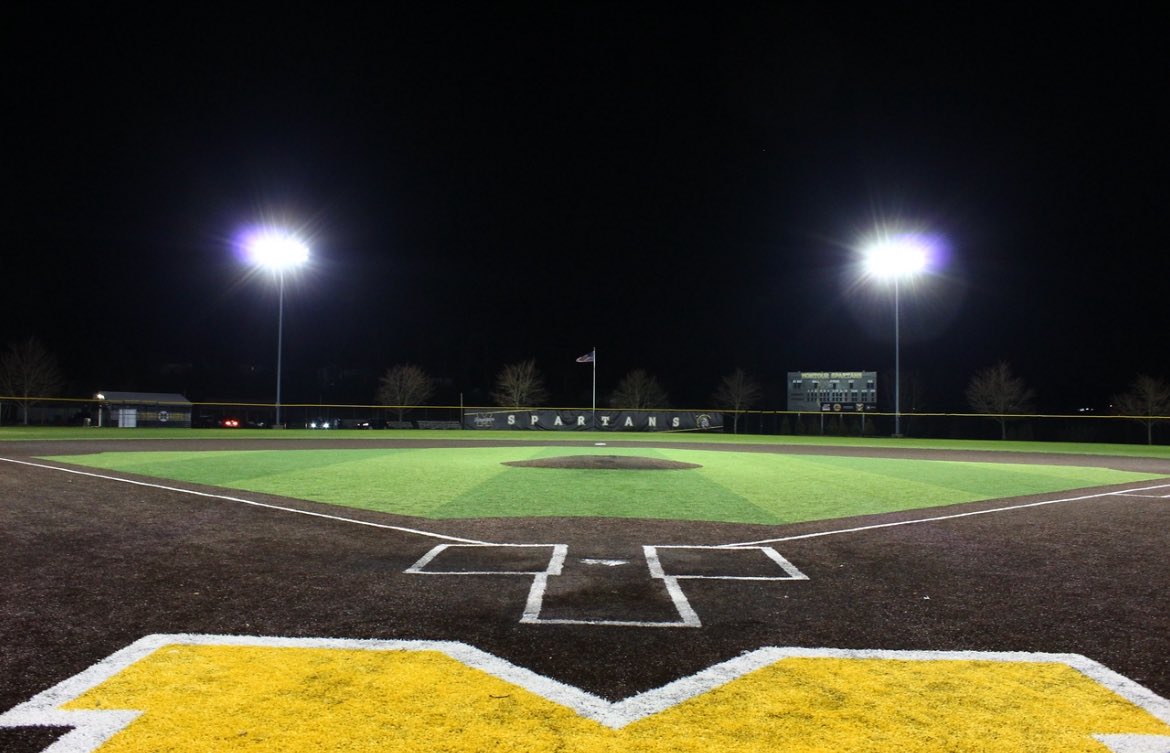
pixel 277 251
pixel 896 258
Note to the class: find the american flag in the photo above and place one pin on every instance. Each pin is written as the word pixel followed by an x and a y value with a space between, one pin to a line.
pixel 587 358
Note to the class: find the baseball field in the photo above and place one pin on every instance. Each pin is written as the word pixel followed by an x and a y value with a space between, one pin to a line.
pixel 362 591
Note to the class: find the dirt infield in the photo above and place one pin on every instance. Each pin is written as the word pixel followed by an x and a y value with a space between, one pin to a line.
pixel 93 564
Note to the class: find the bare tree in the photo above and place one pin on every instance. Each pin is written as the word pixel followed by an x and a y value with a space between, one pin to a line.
pixel 639 390
pixel 405 385
pixel 739 392
pixel 29 373
pixel 520 385
pixel 999 393
pixel 1147 400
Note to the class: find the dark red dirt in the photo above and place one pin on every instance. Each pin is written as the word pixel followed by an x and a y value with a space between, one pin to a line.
pixel 604 463
pixel 92 565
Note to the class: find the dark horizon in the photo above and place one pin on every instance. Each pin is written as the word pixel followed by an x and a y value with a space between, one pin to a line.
pixel 683 190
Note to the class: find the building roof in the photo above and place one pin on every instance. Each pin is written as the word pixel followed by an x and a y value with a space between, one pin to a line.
pixel 141 398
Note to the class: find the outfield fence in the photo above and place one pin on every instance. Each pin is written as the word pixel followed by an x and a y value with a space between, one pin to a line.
pixel 1083 427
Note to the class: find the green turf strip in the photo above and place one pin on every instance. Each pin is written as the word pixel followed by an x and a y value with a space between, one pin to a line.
pixel 37 433
pixel 731 486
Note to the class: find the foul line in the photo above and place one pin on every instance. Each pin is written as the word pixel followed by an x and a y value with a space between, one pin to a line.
pixel 251 502
pixel 1143 496
pixel 936 518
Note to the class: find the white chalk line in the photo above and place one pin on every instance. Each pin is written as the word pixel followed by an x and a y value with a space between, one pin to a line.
pixel 251 502
pixel 553 567
pixel 937 518
pixel 535 600
pixel 91 729
pixel 534 604
pixel 446 537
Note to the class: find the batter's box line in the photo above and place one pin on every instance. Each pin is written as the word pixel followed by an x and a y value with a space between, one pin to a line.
pixel 534 604
pixel 791 572
pixel 556 560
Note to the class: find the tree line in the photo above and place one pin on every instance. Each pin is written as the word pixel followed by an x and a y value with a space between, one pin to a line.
pixel 994 391
pixel 521 385
pixel 997 392
pixel 30 372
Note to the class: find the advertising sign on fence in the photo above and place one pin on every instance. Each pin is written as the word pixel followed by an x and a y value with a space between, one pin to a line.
pixel 583 420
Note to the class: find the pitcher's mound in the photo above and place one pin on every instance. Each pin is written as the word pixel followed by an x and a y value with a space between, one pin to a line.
pixel 605 462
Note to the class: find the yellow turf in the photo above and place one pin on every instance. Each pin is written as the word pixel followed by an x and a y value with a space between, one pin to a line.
pixel 232 698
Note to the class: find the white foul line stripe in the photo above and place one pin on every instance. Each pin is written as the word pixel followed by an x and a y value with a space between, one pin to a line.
pixel 936 518
pixel 243 501
pixel 93 728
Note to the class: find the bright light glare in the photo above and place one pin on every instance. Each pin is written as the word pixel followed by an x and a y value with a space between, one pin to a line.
pixel 277 251
pixel 901 256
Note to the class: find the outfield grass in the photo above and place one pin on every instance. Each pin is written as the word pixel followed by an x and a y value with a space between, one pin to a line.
pixel 470 482
pixel 34 433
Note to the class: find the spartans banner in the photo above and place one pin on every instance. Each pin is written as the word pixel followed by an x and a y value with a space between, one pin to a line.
pixel 585 420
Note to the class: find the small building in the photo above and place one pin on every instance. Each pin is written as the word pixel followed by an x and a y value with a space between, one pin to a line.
pixel 129 410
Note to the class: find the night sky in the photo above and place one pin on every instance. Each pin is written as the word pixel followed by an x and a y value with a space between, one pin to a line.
pixel 685 190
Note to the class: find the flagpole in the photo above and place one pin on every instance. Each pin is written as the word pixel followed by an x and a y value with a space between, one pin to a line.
pixel 595 388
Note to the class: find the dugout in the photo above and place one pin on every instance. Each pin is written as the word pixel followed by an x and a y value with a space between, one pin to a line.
pixel 129 410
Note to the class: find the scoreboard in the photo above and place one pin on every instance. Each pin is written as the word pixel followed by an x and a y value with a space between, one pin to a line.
pixel 832 391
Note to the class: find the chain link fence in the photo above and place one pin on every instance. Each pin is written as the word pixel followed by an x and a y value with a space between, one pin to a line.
pixel 1089 427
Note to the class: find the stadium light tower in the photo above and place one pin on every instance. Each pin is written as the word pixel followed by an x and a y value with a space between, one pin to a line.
pixel 893 259
pixel 277 251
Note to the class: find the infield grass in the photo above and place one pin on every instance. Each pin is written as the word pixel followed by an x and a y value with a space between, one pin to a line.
pixel 39 433
pixel 740 487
